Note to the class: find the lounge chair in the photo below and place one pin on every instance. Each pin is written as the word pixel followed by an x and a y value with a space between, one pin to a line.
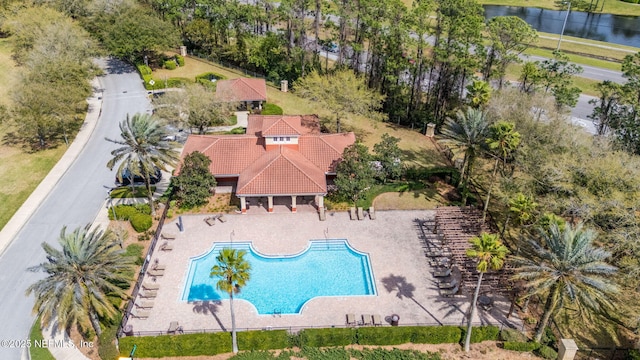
pixel 360 214
pixel 166 246
pixel 372 213
pixel 367 319
pixel 168 236
pixel 140 314
pixel 377 321
pixel 449 292
pixel 352 213
pixel 149 294
pixel 222 218
pixel 150 286
pixel 210 220
pixel 155 272
pixel 157 266
pixel 448 284
pixel 145 304
pixel 442 272
pixel 173 327
pixel 351 319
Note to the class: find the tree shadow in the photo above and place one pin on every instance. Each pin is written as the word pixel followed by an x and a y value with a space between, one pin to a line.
pixel 117 66
pixel 209 307
pixel 403 289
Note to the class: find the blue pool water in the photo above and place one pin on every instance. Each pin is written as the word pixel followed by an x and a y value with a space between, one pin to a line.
pixel 284 284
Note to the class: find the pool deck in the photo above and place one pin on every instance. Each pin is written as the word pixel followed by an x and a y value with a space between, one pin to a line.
pixel 402 275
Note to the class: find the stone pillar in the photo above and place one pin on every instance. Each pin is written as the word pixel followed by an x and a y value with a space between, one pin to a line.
pixel 567 349
pixel 320 202
pixel 270 198
pixel 243 204
pixel 284 85
pixel 293 203
pixel 431 130
pixel 183 50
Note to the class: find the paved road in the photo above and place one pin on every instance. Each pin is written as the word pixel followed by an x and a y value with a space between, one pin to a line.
pixel 74 201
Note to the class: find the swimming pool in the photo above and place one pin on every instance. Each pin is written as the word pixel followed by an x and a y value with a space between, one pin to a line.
pixel 283 284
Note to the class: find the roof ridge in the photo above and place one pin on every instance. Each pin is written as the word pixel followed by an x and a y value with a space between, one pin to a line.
pixel 262 170
pixel 255 92
pixel 297 167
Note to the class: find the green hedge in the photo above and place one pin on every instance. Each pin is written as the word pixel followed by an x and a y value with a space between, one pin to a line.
pixel 328 337
pixel 512 335
pixel 521 346
pixel 263 340
pixel 180 60
pixel 141 222
pixel 546 352
pixel 205 79
pixel 177 345
pixel 480 334
pixel 123 212
pixel 401 335
pixel 170 64
pixel 271 109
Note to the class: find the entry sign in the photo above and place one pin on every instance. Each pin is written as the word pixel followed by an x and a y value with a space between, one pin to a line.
pixel 152 82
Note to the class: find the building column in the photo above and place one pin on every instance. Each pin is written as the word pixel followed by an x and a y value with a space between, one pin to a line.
pixel 293 203
pixel 270 208
pixel 320 202
pixel 243 204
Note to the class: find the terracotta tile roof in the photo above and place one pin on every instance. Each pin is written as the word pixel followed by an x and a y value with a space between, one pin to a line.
pixel 281 171
pixel 241 89
pixel 265 125
pixel 229 154
pixel 325 150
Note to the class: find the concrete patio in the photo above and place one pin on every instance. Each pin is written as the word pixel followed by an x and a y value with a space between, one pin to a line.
pixel 402 274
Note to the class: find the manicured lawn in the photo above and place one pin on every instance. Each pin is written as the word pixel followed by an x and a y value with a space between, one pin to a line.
pixel 125 192
pixel 38 352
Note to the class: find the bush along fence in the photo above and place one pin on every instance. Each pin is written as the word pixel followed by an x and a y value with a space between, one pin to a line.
pixel 216 343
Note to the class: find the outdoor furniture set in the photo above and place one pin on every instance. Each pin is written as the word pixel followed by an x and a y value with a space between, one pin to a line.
pixel 365 319
pixel 211 220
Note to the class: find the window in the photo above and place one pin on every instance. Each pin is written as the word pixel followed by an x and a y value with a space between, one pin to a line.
pixel 275 139
pixel 288 138
pixel 281 139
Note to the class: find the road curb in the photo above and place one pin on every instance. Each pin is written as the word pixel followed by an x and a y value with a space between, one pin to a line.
pixel 24 213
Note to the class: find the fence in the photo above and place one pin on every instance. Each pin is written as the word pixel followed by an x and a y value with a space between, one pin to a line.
pixel 143 269
pixel 227 65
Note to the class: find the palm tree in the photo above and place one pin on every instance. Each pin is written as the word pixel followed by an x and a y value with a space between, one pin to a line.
pixel 490 252
pixel 566 267
pixel 478 93
pixel 503 141
pixel 143 149
pixel 80 279
pixel 467 131
pixel 234 272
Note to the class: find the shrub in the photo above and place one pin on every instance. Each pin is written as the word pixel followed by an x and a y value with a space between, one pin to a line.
pixel 634 354
pixel 180 60
pixel 206 79
pixel 512 335
pixel 170 64
pixel 547 352
pixel 262 340
pixel 328 337
pixel 180 345
pixel 481 333
pixel 176 82
pixel 448 174
pixel 271 109
pixel 521 346
pixel 141 222
pixel 107 347
pixel 123 212
pixel 236 131
pixel 384 335
pixel 436 335
pixel 143 208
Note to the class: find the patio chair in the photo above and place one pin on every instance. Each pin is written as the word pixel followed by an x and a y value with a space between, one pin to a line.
pixel 444 272
pixel 157 266
pixel 150 286
pixel 352 213
pixel 360 213
pixel 145 304
pixel 149 294
pixel 372 213
pixel 222 218
pixel 166 246
pixel 351 319
pixel 449 292
pixel 377 320
pixel 448 284
pixel 155 272
pixel 173 327
pixel 167 236
pixel 367 319
pixel 140 314
pixel 210 220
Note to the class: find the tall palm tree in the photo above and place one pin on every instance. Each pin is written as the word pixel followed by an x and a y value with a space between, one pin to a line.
pixel 467 132
pixel 478 93
pixel 502 141
pixel 234 272
pixel 490 252
pixel 566 267
pixel 80 278
pixel 143 149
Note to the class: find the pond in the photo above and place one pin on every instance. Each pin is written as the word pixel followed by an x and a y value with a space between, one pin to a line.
pixel 617 29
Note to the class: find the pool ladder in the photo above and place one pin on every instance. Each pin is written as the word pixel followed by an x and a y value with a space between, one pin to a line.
pixel 277 312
